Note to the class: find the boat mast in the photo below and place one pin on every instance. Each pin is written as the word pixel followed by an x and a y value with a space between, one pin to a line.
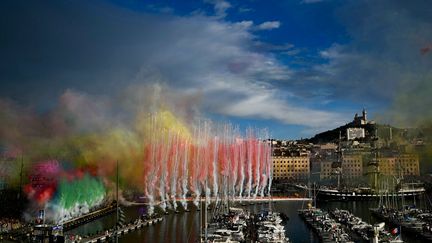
pixel 339 159
pixel 117 200
pixel 374 162
pixel 200 218
pixel 314 195
pixel 337 166
pixel 399 179
pixel 205 215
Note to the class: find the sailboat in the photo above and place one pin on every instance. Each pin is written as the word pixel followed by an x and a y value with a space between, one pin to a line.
pixel 368 193
pixel 231 225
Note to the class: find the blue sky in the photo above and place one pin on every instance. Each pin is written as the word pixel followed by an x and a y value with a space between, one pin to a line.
pixel 297 67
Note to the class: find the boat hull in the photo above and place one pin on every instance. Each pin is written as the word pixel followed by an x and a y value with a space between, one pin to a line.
pixel 356 196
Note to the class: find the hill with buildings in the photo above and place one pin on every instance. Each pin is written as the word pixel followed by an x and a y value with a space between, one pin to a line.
pixel 363 130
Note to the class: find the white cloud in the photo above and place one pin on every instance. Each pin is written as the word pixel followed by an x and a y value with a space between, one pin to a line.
pixel 195 54
pixel 245 24
pixel 245 10
pixel 269 25
pixel 264 105
pixel 220 7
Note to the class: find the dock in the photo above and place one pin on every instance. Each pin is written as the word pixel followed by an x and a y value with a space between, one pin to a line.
pixel 326 228
pixel 83 219
pixel 122 230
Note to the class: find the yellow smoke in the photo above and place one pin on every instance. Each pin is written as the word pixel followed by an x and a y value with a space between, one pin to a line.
pixel 127 146
pixel 161 124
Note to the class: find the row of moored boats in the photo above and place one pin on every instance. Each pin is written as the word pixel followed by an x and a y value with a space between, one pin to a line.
pixel 343 226
pixel 363 231
pixel 238 226
pixel 411 220
pixel 327 229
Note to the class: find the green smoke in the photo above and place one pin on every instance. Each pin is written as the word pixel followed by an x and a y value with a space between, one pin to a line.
pixel 87 191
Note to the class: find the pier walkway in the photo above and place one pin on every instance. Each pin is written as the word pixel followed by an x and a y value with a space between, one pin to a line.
pixel 75 222
pixel 111 234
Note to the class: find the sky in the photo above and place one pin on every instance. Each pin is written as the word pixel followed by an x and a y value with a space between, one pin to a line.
pixel 296 67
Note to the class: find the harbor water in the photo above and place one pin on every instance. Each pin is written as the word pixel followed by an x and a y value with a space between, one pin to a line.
pixel 185 226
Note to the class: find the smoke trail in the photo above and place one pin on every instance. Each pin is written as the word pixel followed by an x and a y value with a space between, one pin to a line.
pixel 195 168
pixel 174 156
pixel 163 182
pixel 185 175
pixel 269 169
pixel 215 168
pixel 264 166
pixel 258 168
pixel 242 169
pixel 249 161
pixel 235 160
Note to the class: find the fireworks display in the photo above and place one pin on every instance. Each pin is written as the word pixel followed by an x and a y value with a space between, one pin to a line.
pixel 69 157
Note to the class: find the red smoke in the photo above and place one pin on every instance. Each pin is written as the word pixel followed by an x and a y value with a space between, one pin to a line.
pixel 43 181
pixel 45 176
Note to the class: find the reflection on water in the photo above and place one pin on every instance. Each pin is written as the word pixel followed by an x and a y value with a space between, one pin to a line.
pixel 185 227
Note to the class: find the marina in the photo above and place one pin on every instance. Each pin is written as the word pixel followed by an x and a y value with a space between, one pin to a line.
pixel 362 231
pixel 411 220
pixel 326 228
pixel 187 226
pixel 254 221
pixel 343 226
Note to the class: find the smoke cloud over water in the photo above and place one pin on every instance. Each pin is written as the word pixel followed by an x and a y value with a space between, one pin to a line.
pixel 163 149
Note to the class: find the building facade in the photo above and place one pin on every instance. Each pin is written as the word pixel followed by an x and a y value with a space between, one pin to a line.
pixel 352 167
pixel 405 165
pixel 291 167
pixel 326 169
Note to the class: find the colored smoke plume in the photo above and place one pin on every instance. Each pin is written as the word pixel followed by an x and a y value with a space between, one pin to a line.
pixel 77 196
pixel 163 149
pixel 43 181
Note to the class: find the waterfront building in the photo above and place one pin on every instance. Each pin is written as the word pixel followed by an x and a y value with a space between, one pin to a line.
pixel 405 165
pixel 326 169
pixel 291 167
pixel 410 164
pixel 352 167
pixel 389 165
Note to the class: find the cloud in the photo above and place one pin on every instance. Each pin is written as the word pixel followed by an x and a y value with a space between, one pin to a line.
pixel 245 24
pixel 214 62
pixel 382 60
pixel 220 7
pixel 263 105
pixel 245 10
pixel 269 25
pixel 263 46
pixel 248 24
